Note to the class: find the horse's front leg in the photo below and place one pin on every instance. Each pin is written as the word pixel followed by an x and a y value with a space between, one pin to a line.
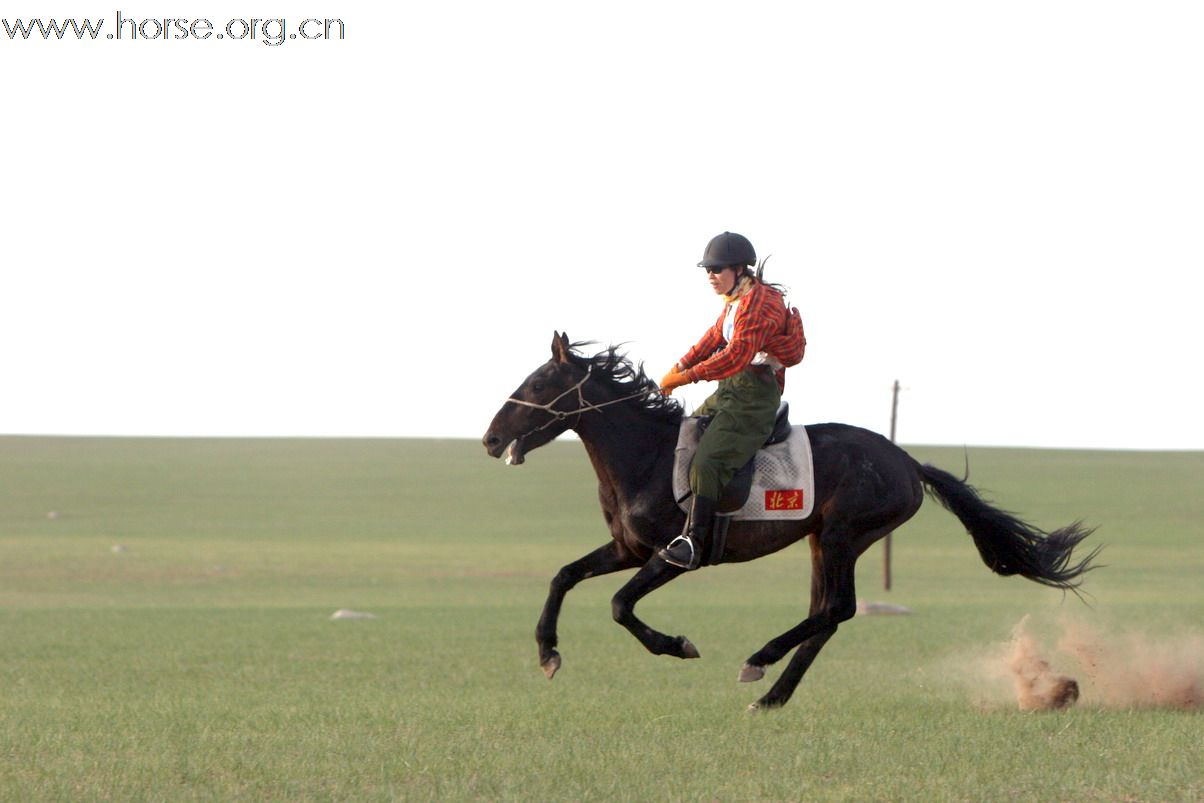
pixel 654 574
pixel 603 560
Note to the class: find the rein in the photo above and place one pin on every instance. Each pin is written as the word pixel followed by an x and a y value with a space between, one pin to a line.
pixel 583 404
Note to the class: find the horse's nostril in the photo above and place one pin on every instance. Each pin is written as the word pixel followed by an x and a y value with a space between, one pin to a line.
pixel 492 440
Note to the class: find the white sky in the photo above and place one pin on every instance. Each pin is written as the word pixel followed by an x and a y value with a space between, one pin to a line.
pixel 999 204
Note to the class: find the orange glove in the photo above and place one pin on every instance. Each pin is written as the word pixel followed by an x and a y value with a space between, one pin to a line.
pixel 673 380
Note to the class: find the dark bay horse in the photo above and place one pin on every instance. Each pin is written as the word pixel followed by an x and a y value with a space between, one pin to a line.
pixel 865 487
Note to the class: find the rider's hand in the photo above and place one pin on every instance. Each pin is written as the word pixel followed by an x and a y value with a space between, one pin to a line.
pixel 673 380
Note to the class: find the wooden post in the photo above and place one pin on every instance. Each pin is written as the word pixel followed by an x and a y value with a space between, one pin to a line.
pixel 894 410
pixel 894 417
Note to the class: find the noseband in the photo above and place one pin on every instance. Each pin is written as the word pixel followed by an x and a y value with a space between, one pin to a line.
pixel 583 404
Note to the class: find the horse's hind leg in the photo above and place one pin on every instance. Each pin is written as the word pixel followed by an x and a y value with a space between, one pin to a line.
pixel 833 600
pixel 788 681
pixel 603 560
pixel 654 574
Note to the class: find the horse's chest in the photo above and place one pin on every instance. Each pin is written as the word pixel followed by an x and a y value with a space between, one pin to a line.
pixel 630 523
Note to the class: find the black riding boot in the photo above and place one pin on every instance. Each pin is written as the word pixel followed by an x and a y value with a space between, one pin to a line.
pixel 687 549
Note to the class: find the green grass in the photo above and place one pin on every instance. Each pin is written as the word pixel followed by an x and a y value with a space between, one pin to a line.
pixel 200 663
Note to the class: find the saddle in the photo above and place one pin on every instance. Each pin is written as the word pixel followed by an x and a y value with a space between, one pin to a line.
pixel 736 492
pixel 775 483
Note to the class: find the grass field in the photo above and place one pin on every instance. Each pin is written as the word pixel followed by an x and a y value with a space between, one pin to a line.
pixel 165 626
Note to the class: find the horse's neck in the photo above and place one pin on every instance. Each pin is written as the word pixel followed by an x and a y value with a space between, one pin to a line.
pixel 630 453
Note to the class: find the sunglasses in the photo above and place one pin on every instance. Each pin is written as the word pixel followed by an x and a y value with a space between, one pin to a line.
pixel 715 268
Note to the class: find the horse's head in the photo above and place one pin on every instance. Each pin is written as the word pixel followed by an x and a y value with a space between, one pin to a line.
pixel 540 409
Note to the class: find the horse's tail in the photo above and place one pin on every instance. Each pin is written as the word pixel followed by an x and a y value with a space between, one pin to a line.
pixel 1008 545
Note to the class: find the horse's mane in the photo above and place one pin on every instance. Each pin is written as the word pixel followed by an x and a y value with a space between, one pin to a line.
pixel 625 378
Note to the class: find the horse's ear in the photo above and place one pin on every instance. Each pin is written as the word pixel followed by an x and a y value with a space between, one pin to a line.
pixel 560 346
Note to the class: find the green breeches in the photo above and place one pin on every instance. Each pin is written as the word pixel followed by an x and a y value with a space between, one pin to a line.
pixel 743 407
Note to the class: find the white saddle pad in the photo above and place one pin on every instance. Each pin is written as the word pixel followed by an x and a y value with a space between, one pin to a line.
pixel 783 477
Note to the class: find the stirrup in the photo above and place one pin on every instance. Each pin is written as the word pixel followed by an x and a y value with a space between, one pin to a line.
pixel 681 553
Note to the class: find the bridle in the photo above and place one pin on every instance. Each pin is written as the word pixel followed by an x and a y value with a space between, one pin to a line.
pixel 583 404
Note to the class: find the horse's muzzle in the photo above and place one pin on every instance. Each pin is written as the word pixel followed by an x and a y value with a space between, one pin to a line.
pixel 513 449
pixel 494 445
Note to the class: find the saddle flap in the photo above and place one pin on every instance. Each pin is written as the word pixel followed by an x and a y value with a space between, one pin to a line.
pixel 736 492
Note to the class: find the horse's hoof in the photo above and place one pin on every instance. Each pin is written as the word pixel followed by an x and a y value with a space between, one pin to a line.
pixel 754 707
pixel 751 674
pixel 550 666
pixel 688 650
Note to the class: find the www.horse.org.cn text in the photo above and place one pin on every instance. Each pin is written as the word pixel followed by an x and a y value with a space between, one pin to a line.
pixel 270 32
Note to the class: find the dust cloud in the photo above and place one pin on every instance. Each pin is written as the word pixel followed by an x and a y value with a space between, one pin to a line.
pixel 1106 668
pixel 1136 670
pixel 1038 687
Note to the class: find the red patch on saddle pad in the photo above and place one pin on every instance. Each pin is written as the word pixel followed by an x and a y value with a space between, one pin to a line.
pixel 784 500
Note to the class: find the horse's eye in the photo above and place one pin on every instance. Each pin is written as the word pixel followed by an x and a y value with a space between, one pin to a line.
pixel 537 387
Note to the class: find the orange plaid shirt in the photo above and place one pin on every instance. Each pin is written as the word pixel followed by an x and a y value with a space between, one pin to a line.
pixel 759 325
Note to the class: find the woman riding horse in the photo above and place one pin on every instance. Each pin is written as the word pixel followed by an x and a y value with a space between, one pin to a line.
pixel 747 351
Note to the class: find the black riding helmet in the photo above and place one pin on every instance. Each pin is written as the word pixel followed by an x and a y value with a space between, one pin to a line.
pixel 727 249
